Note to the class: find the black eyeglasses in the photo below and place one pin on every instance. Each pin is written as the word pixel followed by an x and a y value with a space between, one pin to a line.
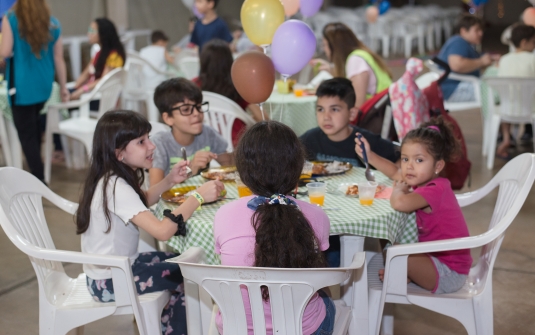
pixel 187 109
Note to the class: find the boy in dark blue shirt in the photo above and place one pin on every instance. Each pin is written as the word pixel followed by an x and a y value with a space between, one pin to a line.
pixel 210 26
pixel 462 58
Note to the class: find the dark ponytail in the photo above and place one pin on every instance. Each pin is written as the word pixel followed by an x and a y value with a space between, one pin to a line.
pixel 439 138
pixel 269 159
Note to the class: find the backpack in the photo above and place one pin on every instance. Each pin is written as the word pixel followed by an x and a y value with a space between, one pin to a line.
pixel 456 172
pixel 371 115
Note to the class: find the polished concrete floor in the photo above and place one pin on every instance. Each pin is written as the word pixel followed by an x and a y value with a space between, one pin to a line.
pixel 513 277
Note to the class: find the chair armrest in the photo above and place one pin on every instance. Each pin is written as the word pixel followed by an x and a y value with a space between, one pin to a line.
pixel 194 255
pixel 463 77
pixel 71 85
pixel 77 257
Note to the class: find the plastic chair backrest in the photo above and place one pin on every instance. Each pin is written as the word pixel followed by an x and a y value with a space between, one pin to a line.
pixel 21 200
pixel 426 79
pixel 109 88
pixel 289 290
pixel 190 66
pixel 514 180
pixel 222 114
pixel 134 78
pixel 516 96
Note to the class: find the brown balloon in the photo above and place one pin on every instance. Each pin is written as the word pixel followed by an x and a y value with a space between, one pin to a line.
pixel 253 75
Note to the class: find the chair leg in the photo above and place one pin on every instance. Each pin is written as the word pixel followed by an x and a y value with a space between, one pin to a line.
pixel 492 136
pixel 408 46
pixel 16 149
pixel 48 155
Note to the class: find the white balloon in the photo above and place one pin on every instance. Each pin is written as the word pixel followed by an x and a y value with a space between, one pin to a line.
pixel 189 3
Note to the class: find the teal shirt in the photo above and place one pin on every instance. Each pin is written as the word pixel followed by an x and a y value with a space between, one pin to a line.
pixel 33 77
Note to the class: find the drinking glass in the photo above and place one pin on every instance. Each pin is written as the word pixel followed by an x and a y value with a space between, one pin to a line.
pixel 367 192
pixel 316 193
pixel 243 190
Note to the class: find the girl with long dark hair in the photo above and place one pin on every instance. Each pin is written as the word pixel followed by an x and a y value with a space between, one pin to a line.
pixel 216 62
pixel 353 60
pixel 113 206
pixel 33 48
pixel 110 56
pixel 270 228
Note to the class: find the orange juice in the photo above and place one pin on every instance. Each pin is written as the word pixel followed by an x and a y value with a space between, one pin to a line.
pixel 317 199
pixel 366 202
pixel 298 92
pixel 244 191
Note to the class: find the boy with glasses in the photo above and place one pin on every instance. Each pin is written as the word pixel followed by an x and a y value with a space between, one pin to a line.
pixel 180 104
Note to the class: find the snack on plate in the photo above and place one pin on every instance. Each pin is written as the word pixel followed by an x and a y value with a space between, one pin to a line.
pixel 352 190
pixel 328 168
pixel 227 173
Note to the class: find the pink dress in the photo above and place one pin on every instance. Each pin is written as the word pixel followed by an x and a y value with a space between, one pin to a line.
pixel 235 241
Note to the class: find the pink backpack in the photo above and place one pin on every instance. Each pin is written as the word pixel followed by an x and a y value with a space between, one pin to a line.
pixel 409 105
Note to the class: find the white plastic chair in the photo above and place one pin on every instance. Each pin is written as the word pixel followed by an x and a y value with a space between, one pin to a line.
pixel 475 81
pixel 426 79
pixel 516 106
pixel 82 128
pixel 221 115
pixel 471 305
pixel 190 66
pixel 64 302
pixel 289 291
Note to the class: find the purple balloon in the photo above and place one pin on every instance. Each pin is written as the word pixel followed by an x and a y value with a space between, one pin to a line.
pixel 310 7
pixel 292 47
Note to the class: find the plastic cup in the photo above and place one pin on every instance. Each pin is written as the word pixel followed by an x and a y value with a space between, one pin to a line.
pixel 298 90
pixel 243 191
pixel 316 193
pixel 306 173
pixel 367 192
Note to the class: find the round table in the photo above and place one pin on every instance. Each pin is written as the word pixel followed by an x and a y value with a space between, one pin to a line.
pixel 299 113
pixel 379 220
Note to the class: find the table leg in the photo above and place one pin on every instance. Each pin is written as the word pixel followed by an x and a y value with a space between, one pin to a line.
pixel 4 139
pixel 354 291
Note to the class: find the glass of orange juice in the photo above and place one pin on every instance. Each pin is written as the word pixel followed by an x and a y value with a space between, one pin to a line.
pixel 306 173
pixel 298 90
pixel 243 190
pixel 316 193
pixel 367 192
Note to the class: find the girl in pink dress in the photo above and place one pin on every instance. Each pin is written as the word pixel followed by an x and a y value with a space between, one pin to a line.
pixel 419 188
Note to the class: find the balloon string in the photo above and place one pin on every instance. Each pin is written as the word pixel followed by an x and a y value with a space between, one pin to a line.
pixel 261 105
pixel 265 47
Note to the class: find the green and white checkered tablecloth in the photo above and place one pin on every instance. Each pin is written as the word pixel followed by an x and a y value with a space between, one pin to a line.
pixel 6 109
pixel 299 113
pixel 378 220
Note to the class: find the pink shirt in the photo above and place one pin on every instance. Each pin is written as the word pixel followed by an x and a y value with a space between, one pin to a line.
pixel 235 241
pixel 356 65
pixel 445 221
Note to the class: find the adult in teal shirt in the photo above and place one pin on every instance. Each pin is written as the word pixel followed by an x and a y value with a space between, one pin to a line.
pixel 31 42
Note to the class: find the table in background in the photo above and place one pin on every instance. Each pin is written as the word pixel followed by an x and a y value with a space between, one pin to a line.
pixel 299 113
pixel 379 220
pixel 8 134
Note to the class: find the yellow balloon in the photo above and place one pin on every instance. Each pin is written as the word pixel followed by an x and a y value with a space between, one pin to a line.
pixel 261 18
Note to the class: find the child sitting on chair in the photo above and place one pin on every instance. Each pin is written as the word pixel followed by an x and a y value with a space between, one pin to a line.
pixel 180 104
pixel 157 55
pixel 418 188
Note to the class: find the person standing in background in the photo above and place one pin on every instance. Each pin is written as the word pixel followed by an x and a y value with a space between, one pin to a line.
pixel 210 26
pixel 31 39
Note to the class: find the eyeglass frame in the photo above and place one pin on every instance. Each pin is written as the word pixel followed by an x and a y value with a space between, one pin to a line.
pixel 198 107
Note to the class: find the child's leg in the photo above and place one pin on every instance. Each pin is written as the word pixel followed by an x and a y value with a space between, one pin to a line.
pixel 506 135
pixel 422 271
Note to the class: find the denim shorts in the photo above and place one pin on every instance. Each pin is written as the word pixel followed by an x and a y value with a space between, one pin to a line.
pixel 448 281
pixel 327 326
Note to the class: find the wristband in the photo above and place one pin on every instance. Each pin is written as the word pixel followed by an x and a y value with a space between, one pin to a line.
pixel 197 196
pixel 85 88
pixel 179 220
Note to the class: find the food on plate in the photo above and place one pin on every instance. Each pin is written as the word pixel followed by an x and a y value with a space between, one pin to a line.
pixel 328 168
pixel 227 173
pixel 352 190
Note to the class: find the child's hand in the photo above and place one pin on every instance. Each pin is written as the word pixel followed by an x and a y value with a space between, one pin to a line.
pixel 320 64
pixel 178 173
pixel 358 148
pixel 211 190
pixel 201 160
pixel 401 186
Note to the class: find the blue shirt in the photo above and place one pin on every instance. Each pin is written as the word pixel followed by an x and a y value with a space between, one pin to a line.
pixel 33 76
pixel 456 45
pixel 203 33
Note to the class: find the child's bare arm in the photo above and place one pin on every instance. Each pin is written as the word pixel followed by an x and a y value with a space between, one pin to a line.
pixel 391 170
pixel 155 176
pixel 405 201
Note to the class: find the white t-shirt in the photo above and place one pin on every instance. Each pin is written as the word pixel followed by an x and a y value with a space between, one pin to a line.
pixel 155 55
pixel 356 65
pixel 517 64
pixel 123 237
